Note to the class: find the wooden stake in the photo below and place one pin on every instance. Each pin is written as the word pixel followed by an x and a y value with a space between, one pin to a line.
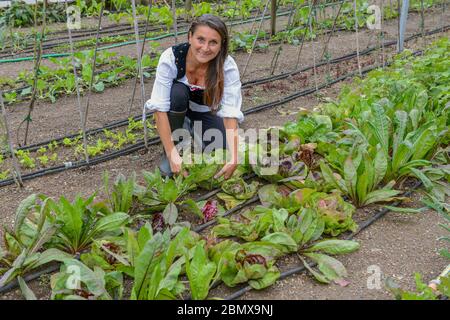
pixel 254 41
pixel 94 64
pixel 141 76
pixel 17 176
pixel 80 108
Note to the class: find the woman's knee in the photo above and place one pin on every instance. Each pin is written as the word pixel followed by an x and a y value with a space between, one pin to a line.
pixel 179 97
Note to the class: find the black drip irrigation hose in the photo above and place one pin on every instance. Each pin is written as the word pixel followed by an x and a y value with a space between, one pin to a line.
pixel 14 284
pixel 300 269
pixel 155 140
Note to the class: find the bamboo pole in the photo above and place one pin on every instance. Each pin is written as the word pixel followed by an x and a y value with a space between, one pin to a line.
pixel 142 53
pixel 80 108
pixel 141 76
pixel 325 48
pixel 254 41
pixel 273 17
pixel 357 38
pixel 37 65
pixel 16 174
pixel 311 6
pixel 314 56
pixel 94 64
pixel 175 25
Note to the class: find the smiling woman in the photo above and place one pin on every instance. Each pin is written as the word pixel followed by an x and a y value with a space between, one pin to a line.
pixel 197 82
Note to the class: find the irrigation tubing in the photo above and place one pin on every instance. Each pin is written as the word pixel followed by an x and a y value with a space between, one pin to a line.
pixel 362 226
pixel 247 84
pixel 14 284
pixel 155 140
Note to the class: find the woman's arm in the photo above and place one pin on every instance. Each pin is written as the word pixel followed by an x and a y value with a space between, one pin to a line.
pixel 165 134
pixel 231 129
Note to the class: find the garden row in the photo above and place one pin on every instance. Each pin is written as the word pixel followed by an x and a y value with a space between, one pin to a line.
pixel 55 82
pixel 110 138
pixel 113 140
pixel 359 150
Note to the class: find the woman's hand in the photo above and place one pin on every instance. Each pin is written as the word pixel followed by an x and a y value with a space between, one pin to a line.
pixel 175 161
pixel 232 137
pixel 227 170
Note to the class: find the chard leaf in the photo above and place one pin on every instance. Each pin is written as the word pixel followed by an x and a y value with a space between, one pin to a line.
pixel 318 275
pixel 170 214
pixel 145 264
pixel 332 268
pixel 380 195
pixel 230 201
pixel 380 126
pixel 401 119
pixel 380 166
pixel 271 276
pixel 22 211
pixel 26 291
pixel 334 247
pixel 405 210
pixel 110 223
pixel 282 239
pixel 200 272
pixel 351 177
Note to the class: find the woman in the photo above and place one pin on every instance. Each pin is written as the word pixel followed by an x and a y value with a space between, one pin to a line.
pixel 200 81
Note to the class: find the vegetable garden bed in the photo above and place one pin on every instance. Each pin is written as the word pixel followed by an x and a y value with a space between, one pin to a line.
pixel 357 151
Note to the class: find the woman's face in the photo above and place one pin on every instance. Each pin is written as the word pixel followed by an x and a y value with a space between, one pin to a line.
pixel 205 44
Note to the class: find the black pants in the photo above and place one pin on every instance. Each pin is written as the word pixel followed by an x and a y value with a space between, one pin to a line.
pixel 180 95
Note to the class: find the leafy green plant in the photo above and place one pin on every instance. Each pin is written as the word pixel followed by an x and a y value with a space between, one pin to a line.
pixel 362 175
pixel 93 284
pixel 156 263
pixel 123 193
pixel 81 222
pixel 161 191
pixel 423 292
pixel 236 191
pixel 25 159
pixel 25 244
pixel 252 262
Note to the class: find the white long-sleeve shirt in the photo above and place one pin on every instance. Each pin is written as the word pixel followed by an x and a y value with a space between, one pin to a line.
pixel 166 72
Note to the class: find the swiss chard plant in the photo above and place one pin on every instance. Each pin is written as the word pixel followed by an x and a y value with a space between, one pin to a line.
pixel 25 245
pixel 76 281
pixel 81 222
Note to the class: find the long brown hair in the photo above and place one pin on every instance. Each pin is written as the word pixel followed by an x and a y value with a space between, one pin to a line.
pixel 215 74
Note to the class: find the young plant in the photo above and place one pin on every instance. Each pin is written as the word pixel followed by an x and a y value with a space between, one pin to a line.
pixel 237 191
pixel 93 284
pixel 362 175
pixel 82 222
pixel 25 244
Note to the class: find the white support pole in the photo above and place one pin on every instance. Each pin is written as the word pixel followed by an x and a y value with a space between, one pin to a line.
pixel 403 19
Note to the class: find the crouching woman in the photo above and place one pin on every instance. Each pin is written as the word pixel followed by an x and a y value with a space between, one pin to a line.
pixel 198 81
